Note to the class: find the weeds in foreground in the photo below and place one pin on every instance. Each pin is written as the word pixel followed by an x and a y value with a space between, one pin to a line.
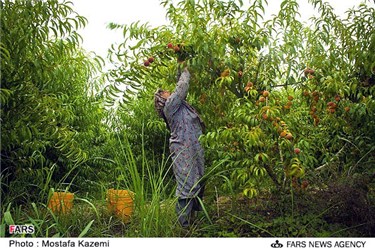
pixel 154 205
pixel 296 215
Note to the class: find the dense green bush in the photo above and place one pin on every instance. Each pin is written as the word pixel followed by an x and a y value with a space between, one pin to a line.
pixel 49 114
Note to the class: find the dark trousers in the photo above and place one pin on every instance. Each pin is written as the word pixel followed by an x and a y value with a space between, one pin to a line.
pixel 186 207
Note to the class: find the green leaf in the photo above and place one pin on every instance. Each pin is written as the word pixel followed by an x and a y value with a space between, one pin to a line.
pixel 87 228
pixel 2 230
pixel 8 218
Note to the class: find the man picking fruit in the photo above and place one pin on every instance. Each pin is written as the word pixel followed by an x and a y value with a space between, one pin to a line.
pixel 185 126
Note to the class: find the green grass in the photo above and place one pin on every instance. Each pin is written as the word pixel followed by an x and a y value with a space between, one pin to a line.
pixel 154 215
pixel 154 204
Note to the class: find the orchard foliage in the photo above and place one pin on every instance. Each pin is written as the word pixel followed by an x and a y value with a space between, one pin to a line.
pixel 49 113
pixel 288 106
pixel 283 100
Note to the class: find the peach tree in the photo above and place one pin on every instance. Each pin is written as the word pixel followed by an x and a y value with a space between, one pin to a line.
pixel 283 101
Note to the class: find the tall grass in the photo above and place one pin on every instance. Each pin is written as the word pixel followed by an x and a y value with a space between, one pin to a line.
pixel 154 202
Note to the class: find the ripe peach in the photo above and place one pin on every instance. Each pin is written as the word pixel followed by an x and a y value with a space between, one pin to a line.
pixel 308 71
pixel 331 110
pixel 283 134
pixel 289 136
pixel 249 85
